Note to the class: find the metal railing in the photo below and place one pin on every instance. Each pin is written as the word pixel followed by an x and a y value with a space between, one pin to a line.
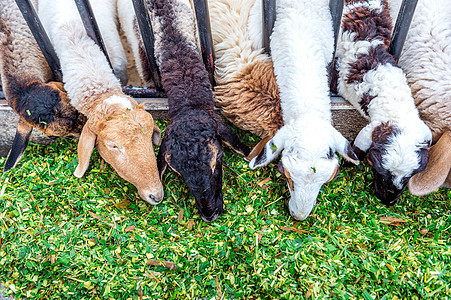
pixel 201 10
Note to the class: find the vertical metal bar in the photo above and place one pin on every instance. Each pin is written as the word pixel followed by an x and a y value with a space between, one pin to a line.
pixel 269 17
pixel 145 26
pixel 336 11
pixel 90 24
pixel 206 40
pixel 43 41
pixel 402 25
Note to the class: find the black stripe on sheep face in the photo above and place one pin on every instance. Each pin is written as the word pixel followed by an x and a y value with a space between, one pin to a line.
pixel 44 106
pixel 393 166
pixel 192 147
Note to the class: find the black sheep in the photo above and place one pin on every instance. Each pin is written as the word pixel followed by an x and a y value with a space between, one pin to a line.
pixel 25 79
pixel 192 142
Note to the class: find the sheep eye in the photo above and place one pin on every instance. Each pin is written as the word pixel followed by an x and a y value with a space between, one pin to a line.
pixel 112 146
pixel 331 154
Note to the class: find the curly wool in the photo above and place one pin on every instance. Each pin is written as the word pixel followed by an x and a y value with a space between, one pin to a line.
pixel 246 89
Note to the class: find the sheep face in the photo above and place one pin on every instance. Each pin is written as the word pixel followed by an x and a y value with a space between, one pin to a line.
pixel 192 148
pixel 395 155
pixel 308 161
pixel 124 140
pixel 44 106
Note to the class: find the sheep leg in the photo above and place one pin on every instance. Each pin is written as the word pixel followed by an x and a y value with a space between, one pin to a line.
pixel 20 143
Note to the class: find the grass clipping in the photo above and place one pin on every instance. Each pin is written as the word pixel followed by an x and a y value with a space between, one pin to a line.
pixel 93 238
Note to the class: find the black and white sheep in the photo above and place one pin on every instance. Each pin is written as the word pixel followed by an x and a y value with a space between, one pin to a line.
pixel 396 139
pixel 25 77
pixel 121 130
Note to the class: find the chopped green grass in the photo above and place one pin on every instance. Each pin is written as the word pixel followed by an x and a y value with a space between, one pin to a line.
pixel 63 237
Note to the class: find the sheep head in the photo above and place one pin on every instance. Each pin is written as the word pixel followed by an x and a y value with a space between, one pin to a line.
pixel 44 106
pixel 395 152
pixel 308 160
pixel 124 140
pixel 192 148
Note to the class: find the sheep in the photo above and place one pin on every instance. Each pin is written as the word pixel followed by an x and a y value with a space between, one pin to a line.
pixel 25 78
pixel 302 46
pixel 426 61
pixel 121 130
pixel 396 139
pixel 246 89
pixel 191 144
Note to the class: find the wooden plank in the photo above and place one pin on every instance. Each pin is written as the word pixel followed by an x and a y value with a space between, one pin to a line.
pixel 345 118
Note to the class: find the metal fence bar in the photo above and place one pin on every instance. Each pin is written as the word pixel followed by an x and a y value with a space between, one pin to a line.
pixel 43 41
pixel 91 27
pixel 145 26
pixel 206 40
pixel 402 25
pixel 336 11
pixel 269 17
pixel 143 92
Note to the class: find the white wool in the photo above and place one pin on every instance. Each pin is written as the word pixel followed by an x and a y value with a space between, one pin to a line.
pixel 255 24
pixel 371 5
pixel 121 100
pixel 85 69
pixel 301 48
pixel 232 45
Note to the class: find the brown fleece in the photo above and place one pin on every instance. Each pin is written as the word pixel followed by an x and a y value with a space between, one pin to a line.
pixel 365 102
pixel 251 100
pixel 368 24
pixel 382 133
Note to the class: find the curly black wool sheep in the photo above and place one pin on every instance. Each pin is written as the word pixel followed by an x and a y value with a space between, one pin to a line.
pixel 192 142
pixel 25 78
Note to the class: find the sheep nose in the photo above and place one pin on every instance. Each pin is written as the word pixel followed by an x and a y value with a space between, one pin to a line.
pixel 155 199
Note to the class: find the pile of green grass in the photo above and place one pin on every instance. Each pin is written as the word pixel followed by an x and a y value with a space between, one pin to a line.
pixel 93 238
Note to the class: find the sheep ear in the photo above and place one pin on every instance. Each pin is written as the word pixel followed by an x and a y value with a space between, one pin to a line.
pixel 162 163
pixel 86 144
pixel 20 143
pixel 268 152
pixel 156 135
pixel 363 141
pixel 437 170
pixel 231 139
pixel 343 147
pixel 258 148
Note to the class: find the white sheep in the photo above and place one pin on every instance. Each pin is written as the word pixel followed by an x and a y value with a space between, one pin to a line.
pixel 426 61
pixel 396 139
pixel 301 49
pixel 121 130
